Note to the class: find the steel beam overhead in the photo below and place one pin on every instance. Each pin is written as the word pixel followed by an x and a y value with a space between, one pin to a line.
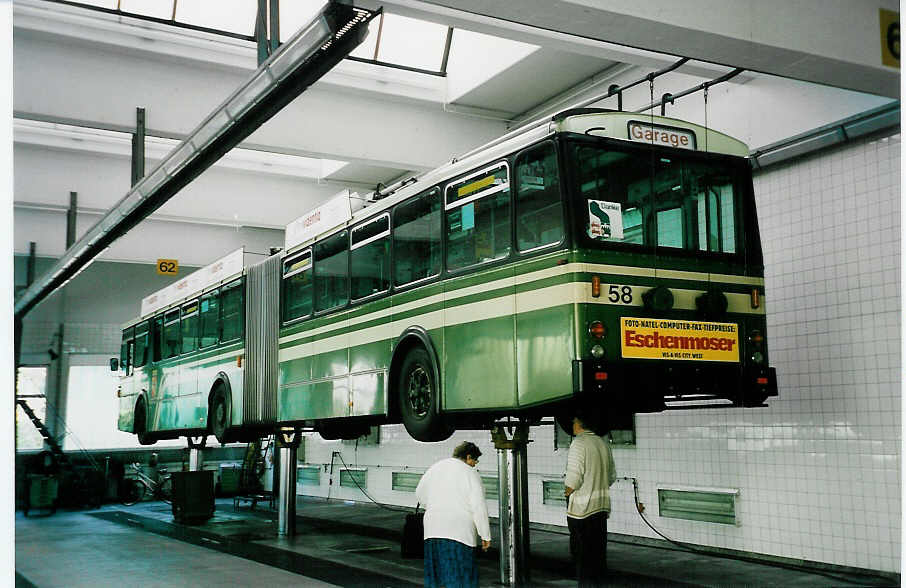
pixel 313 51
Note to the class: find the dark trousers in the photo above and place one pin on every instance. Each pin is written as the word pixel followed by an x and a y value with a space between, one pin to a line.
pixel 588 546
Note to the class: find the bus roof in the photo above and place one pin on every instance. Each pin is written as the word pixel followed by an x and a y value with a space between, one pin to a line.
pixel 223 270
pixel 623 126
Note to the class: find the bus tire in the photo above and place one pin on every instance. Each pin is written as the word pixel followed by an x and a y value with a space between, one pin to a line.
pixel 140 425
pixel 417 394
pixel 219 416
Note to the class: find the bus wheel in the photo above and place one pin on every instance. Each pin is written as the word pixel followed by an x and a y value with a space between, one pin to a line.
pixel 141 425
pixel 418 399
pixel 219 414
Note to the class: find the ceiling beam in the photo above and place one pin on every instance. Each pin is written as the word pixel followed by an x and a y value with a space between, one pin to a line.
pixel 831 42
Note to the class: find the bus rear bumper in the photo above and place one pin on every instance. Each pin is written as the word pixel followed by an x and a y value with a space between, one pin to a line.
pixel 646 387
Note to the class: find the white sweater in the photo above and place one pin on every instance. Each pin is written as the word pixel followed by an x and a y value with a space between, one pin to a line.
pixel 453 497
pixel 590 473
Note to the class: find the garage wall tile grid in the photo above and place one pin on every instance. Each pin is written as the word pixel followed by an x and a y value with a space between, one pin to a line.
pixel 817 471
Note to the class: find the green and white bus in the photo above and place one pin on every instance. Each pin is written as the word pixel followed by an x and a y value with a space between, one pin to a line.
pixel 603 256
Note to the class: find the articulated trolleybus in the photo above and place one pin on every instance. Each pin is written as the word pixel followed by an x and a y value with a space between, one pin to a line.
pixel 604 256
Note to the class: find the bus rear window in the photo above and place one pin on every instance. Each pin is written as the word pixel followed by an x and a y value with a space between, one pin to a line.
pixel 635 197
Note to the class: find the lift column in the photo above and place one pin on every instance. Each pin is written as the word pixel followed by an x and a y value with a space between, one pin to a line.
pixel 288 441
pixel 196 459
pixel 512 479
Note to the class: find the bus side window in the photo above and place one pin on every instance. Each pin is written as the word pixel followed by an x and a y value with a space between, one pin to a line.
pixel 478 217
pixel 539 214
pixel 331 271
pixel 369 253
pixel 189 326
pixel 171 334
pixel 210 315
pixel 141 344
pixel 297 287
pixel 416 238
pixel 231 311
pixel 126 352
pixel 157 333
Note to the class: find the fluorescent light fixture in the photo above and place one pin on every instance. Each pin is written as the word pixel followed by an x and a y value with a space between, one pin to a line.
pixel 211 128
pixel 300 47
pixel 249 94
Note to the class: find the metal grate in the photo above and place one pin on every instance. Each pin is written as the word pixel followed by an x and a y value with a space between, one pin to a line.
pixel 350 478
pixel 491 491
pixel 552 492
pixel 404 481
pixel 308 475
pixel 718 506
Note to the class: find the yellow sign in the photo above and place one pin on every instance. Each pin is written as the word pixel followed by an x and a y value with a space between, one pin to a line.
pixel 475 186
pixel 890 38
pixel 168 267
pixel 647 338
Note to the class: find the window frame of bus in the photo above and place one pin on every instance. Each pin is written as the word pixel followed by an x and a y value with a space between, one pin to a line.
pixel 157 338
pixel 440 270
pixel 224 288
pixel 315 297
pixel 649 225
pixel 127 340
pixel 514 199
pixel 168 321
pixel 463 179
pixel 183 315
pixel 290 260
pixel 352 247
pixel 215 293
pixel 145 324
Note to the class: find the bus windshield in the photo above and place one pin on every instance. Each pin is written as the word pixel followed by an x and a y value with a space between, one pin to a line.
pixel 633 197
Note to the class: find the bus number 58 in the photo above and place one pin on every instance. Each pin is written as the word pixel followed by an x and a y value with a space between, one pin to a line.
pixel 620 294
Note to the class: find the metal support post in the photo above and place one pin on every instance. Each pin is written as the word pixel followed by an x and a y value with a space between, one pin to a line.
pixel 288 441
pixel 71 219
pixel 138 147
pixel 512 471
pixel 196 445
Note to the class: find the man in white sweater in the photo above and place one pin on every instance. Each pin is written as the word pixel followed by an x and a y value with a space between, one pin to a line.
pixel 590 472
pixel 455 512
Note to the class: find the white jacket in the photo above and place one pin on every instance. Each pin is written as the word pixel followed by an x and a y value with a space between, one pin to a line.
pixel 453 498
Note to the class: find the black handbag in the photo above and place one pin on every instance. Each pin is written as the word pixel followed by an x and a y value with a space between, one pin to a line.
pixel 413 545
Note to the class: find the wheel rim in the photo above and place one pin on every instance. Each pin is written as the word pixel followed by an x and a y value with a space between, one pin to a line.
pixel 220 414
pixel 418 391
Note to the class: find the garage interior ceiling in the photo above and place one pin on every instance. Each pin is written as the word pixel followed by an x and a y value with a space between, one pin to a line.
pixel 80 73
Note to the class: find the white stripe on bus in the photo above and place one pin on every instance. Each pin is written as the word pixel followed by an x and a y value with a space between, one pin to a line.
pixel 540 299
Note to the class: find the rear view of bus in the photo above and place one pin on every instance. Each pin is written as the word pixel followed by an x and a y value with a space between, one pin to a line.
pixel 667 247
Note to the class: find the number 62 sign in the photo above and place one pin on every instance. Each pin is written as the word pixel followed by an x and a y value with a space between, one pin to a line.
pixel 168 267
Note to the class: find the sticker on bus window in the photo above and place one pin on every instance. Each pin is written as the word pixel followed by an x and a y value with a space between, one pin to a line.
pixel 605 220
pixel 468 216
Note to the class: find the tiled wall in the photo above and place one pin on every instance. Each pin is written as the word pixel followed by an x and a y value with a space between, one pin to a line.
pixel 817 471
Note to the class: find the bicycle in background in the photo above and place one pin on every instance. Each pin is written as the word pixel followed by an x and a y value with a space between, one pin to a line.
pixel 135 489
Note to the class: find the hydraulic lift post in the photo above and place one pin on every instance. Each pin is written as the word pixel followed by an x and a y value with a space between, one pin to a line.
pixel 288 440
pixel 512 480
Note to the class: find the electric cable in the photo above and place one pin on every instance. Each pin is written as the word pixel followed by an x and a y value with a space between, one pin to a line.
pixel 346 467
pixel 685 547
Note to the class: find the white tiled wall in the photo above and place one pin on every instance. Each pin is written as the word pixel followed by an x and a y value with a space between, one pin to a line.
pixel 817 471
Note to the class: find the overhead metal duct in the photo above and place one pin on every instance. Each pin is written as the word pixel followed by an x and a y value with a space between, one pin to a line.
pixel 301 61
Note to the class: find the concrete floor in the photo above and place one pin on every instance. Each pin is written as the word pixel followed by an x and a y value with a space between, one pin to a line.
pixel 337 544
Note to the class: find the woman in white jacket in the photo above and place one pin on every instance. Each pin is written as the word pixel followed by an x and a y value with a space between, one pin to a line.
pixel 455 516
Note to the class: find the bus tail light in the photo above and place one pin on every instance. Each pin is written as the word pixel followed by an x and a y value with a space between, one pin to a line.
pixel 239 361
pixel 756 298
pixel 596 329
pixel 600 376
pixel 761 381
pixel 596 286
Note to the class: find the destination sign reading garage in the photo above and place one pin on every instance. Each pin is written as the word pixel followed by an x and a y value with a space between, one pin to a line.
pixel 646 338
pixel 659 135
